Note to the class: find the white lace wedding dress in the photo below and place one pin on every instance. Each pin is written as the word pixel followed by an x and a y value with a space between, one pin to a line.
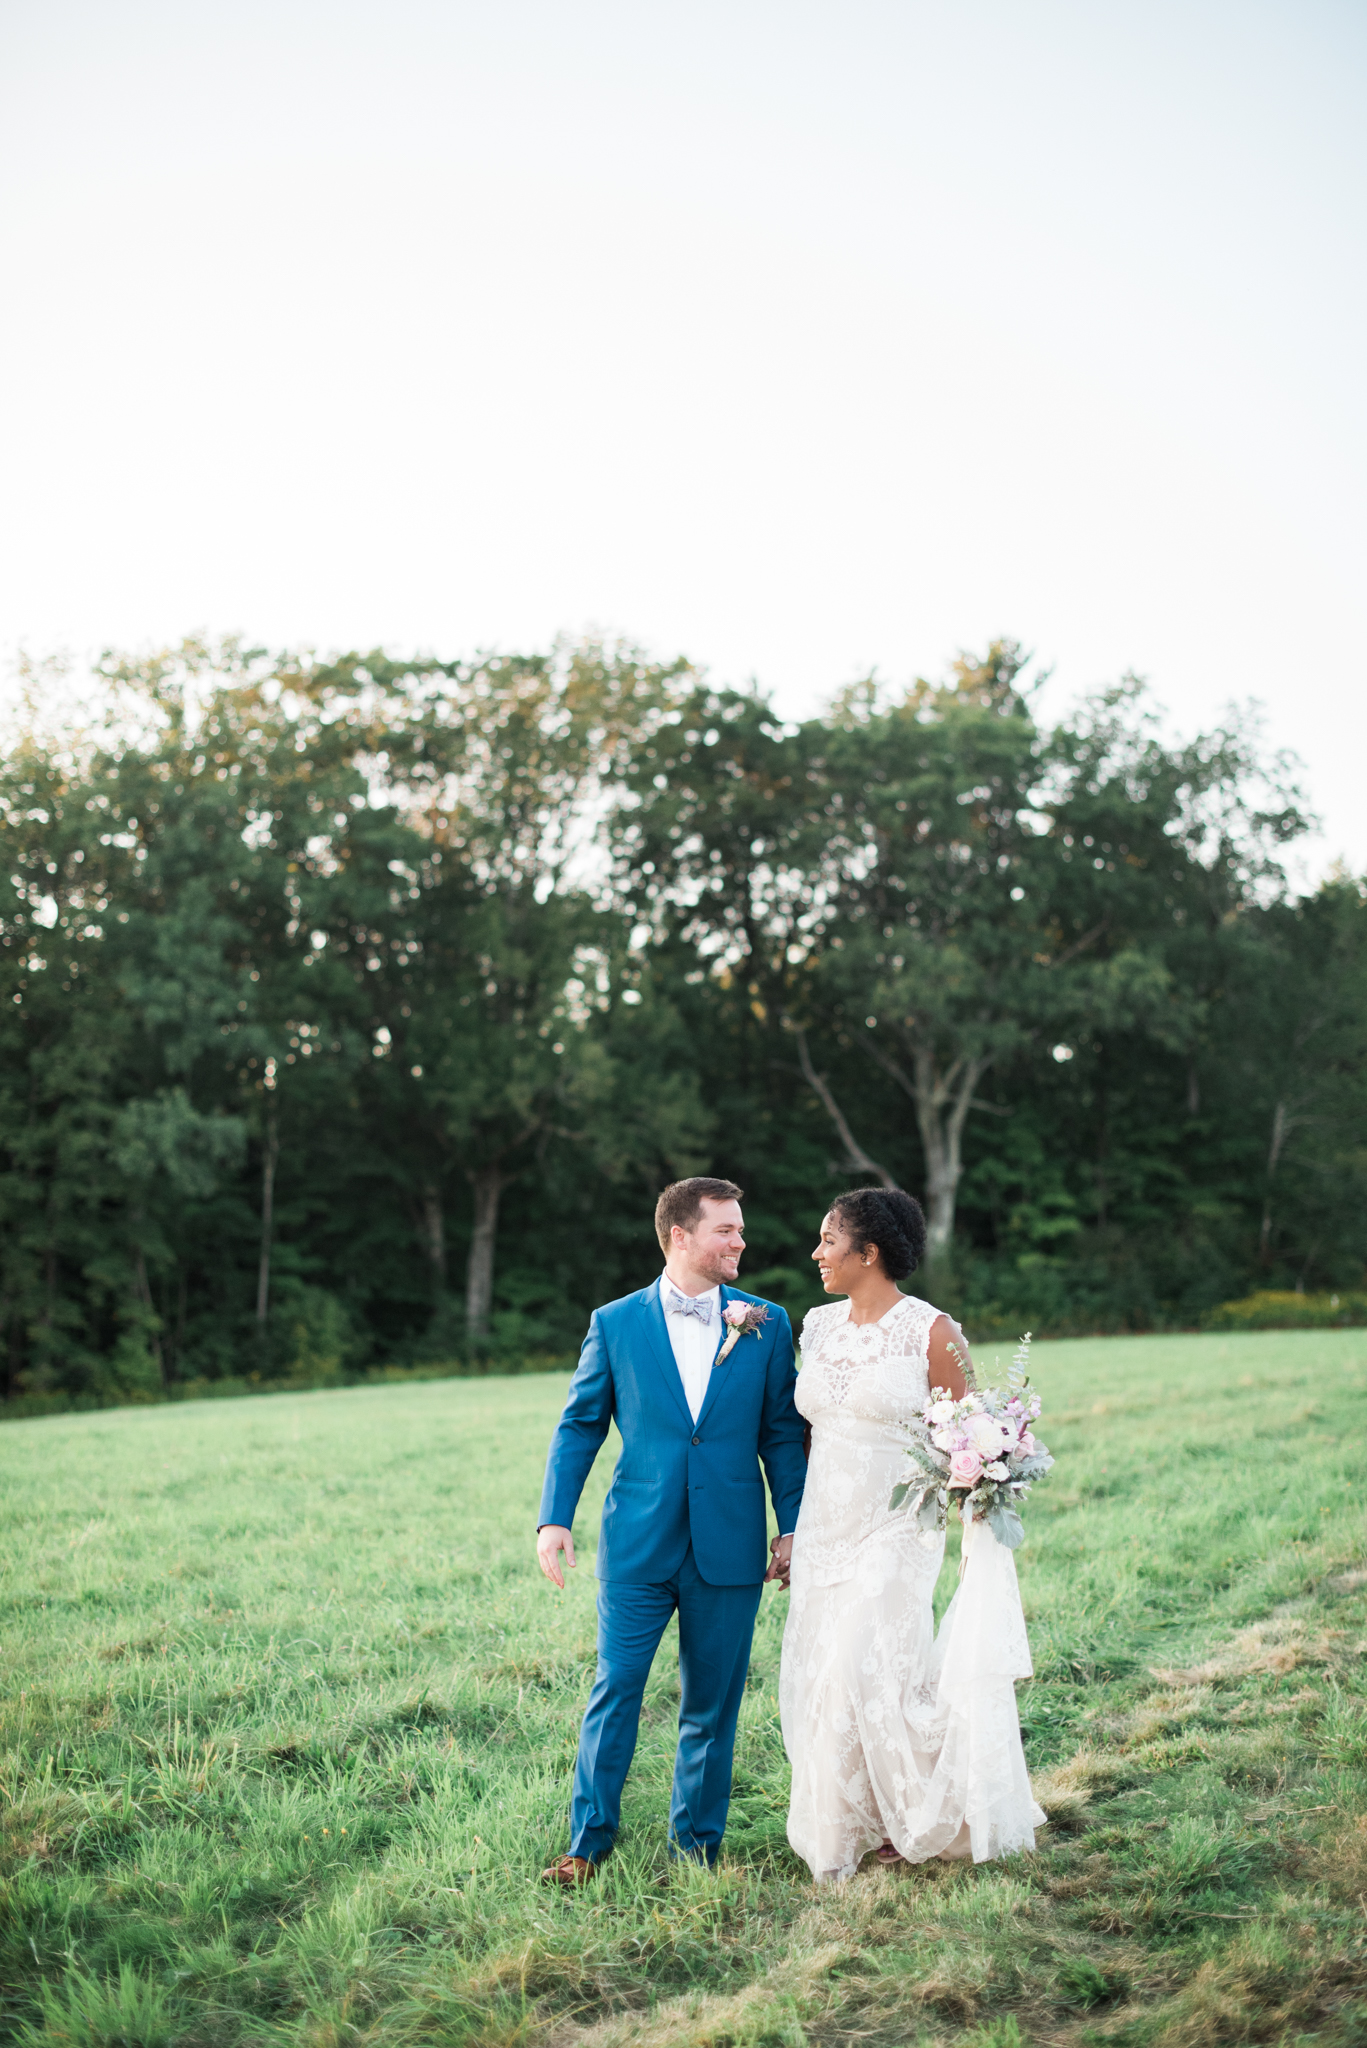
pixel 893 1733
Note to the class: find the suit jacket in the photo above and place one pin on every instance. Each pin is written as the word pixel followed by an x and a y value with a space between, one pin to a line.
pixel 679 1482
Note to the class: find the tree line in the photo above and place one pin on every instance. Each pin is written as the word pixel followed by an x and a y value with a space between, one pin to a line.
pixel 354 1011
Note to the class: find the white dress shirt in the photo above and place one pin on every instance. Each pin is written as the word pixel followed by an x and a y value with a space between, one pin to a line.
pixel 695 1344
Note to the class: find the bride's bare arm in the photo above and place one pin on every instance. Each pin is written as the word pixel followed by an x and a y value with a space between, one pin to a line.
pixel 948 1348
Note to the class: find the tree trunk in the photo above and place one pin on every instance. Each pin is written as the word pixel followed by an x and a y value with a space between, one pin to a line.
pixel 154 1320
pixel 488 1183
pixel 942 1101
pixel 434 1236
pixel 13 1329
pixel 50 1279
pixel 269 1154
pixel 1274 1152
pixel 942 1105
pixel 182 1299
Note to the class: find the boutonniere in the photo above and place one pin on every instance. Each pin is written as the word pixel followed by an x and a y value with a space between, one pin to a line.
pixel 746 1319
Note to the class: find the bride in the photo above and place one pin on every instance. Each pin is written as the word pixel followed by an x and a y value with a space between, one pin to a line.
pixel 900 1741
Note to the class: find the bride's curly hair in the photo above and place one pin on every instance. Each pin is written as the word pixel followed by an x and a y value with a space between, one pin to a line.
pixel 889 1219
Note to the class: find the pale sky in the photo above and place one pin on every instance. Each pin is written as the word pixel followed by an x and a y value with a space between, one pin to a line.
pixel 796 338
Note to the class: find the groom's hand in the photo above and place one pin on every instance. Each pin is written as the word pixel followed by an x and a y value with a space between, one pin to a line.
pixel 550 1541
pixel 781 1554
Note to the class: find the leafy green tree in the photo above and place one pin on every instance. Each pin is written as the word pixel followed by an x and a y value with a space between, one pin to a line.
pixel 65 1040
pixel 1294 1082
pixel 481 1022
pixel 933 884
pixel 335 996
pixel 936 966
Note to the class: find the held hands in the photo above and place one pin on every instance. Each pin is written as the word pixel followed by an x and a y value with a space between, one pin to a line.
pixel 550 1541
pixel 780 1562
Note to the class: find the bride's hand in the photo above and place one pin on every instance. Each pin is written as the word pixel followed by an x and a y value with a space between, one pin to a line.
pixel 780 1562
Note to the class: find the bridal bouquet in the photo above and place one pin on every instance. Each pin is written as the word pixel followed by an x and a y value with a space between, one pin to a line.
pixel 981 1452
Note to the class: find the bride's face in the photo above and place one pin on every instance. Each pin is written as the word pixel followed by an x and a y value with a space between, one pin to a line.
pixel 837 1261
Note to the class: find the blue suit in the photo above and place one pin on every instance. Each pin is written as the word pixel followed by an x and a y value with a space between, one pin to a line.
pixel 683 1529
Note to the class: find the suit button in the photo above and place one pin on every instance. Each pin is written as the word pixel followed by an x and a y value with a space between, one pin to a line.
pixel 697 1439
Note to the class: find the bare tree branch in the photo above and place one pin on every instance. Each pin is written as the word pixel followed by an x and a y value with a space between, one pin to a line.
pixel 889 1066
pixel 1081 945
pixel 856 1157
pixel 942 1101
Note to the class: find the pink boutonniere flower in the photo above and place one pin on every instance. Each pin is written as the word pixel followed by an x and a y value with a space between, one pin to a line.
pixel 745 1319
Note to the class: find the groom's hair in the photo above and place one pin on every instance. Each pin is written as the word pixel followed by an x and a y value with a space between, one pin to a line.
pixel 682 1202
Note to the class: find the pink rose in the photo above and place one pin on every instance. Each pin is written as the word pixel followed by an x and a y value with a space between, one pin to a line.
pixel 735 1313
pixel 965 1467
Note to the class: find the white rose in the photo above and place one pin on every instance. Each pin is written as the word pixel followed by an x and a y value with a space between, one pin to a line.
pixel 986 1436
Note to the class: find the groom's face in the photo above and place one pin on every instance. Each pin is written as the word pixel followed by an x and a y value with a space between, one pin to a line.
pixel 712 1249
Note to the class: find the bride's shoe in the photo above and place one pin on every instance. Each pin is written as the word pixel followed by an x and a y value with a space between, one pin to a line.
pixel 886 1853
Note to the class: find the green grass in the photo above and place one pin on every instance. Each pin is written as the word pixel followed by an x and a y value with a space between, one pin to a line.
pixel 289 1717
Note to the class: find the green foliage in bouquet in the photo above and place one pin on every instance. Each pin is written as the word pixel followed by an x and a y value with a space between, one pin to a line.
pixel 981 1452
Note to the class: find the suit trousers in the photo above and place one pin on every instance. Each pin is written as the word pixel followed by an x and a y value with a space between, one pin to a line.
pixel 716 1624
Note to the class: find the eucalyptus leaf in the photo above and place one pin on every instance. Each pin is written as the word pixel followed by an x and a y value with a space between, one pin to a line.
pixel 930 1513
pixel 929 1461
pixel 1007 1526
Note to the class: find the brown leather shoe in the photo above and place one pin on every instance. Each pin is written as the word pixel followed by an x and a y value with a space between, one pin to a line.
pixel 570 1870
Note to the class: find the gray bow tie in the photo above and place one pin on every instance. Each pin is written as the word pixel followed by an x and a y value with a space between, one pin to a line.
pixel 699 1305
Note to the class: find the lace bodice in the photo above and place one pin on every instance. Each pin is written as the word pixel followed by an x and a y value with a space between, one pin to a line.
pixel 884 1364
pixel 861 1387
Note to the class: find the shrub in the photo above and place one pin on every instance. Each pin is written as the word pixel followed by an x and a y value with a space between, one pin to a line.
pixel 1273 1310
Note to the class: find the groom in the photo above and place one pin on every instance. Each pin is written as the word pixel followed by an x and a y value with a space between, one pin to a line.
pixel 683 1523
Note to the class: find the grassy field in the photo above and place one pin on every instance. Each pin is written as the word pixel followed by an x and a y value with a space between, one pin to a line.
pixel 289 1716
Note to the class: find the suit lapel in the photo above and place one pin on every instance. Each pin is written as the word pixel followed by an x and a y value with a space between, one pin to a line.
pixel 716 1378
pixel 653 1316
pixel 725 1329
